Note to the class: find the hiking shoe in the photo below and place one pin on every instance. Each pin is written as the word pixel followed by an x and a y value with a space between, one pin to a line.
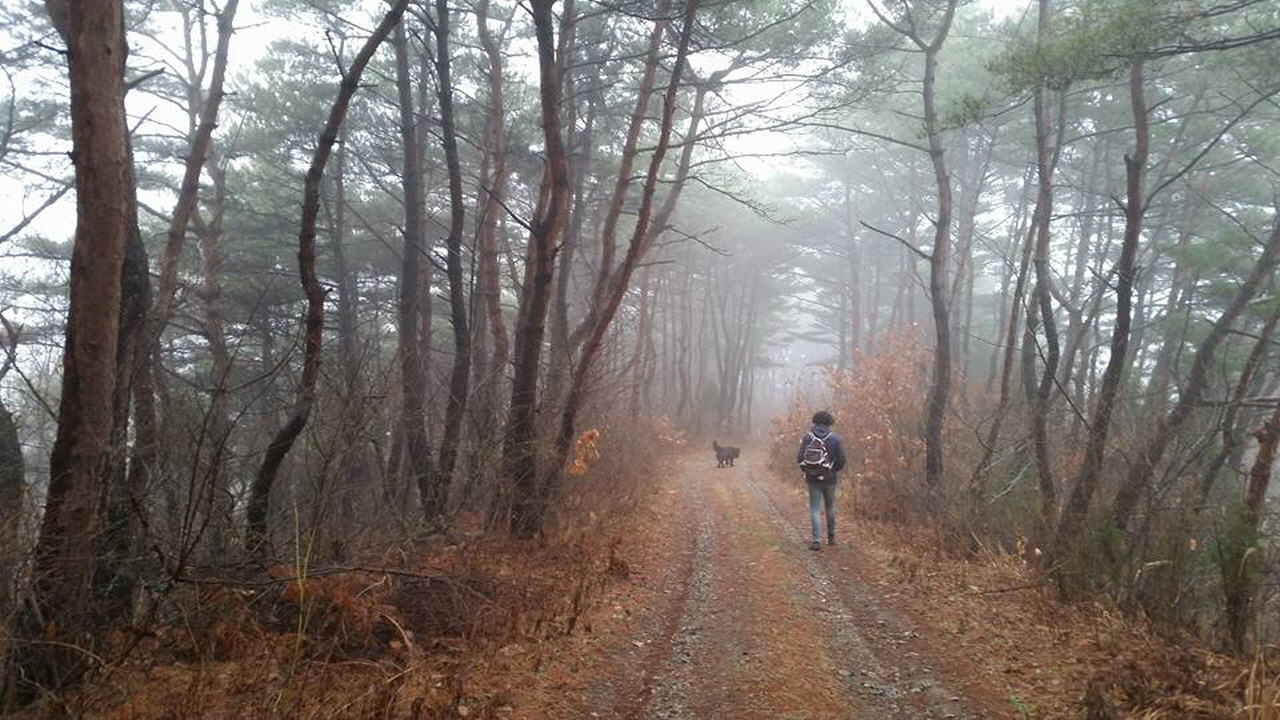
pixel 815 545
pixel 831 539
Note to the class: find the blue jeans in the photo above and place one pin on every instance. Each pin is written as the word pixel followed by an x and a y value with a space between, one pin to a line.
pixel 822 494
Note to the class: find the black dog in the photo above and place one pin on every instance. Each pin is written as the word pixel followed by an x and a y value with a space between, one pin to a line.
pixel 725 455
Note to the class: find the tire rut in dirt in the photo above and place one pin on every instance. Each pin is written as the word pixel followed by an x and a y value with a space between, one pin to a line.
pixel 867 638
pixel 642 653
pixel 668 685
pixel 746 646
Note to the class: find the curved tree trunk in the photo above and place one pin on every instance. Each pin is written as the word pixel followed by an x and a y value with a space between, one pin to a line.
pixel 1047 149
pixel 257 511
pixel 940 388
pixel 623 179
pixel 1230 442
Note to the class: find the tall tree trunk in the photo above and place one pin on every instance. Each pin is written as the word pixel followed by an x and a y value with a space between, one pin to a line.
pixel 259 505
pixel 460 375
pixel 413 294
pixel 581 151
pixel 1086 480
pixel 1047 149
pixel 115 578
pixel 489 210
pixel 623 180
pixel 348 330
pixel 940 388
pixel 61 609
pixel 641 239
pixel 520 451
pixel 355 469
pixel 221 502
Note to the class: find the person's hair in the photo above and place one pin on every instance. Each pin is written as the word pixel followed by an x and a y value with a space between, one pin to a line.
pixel 822 417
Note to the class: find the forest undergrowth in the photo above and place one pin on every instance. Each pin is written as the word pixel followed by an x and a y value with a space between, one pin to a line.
pixel 967 560
pixel 432 626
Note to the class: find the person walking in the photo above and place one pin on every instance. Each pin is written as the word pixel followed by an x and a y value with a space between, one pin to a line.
pixel 821 458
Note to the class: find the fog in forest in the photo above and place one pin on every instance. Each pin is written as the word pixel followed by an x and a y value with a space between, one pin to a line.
pixel 451 298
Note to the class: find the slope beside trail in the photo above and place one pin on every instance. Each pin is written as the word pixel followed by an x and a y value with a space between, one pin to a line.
pixel 729 614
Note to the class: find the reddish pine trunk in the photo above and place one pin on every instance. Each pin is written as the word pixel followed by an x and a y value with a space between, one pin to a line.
pixel 66 551
pixel 623 179
pixel 520 451
pixel 620 280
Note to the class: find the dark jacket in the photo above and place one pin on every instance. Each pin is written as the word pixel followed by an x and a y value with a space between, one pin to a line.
pixel 834 448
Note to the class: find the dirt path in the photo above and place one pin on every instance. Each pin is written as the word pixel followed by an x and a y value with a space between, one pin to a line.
pixel 731 615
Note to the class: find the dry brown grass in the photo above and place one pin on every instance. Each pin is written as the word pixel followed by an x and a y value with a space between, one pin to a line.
pixel 1262 686
pixel 434 628
pixel 972 553
pixel 1046 658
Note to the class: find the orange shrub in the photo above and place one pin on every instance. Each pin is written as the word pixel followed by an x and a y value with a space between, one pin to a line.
pixel 879 408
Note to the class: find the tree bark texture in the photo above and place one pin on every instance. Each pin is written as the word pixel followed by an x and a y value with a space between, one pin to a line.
pixel 460 375
pixel 620 280
pixel 413 295
pixel 489 210
pixel 1071 523
pixel 259 505
pixel 66 551
pixel 520 449
pixel 1047 147
pixel 940 387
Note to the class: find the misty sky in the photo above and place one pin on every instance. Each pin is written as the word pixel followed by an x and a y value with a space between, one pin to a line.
pixel 253 37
